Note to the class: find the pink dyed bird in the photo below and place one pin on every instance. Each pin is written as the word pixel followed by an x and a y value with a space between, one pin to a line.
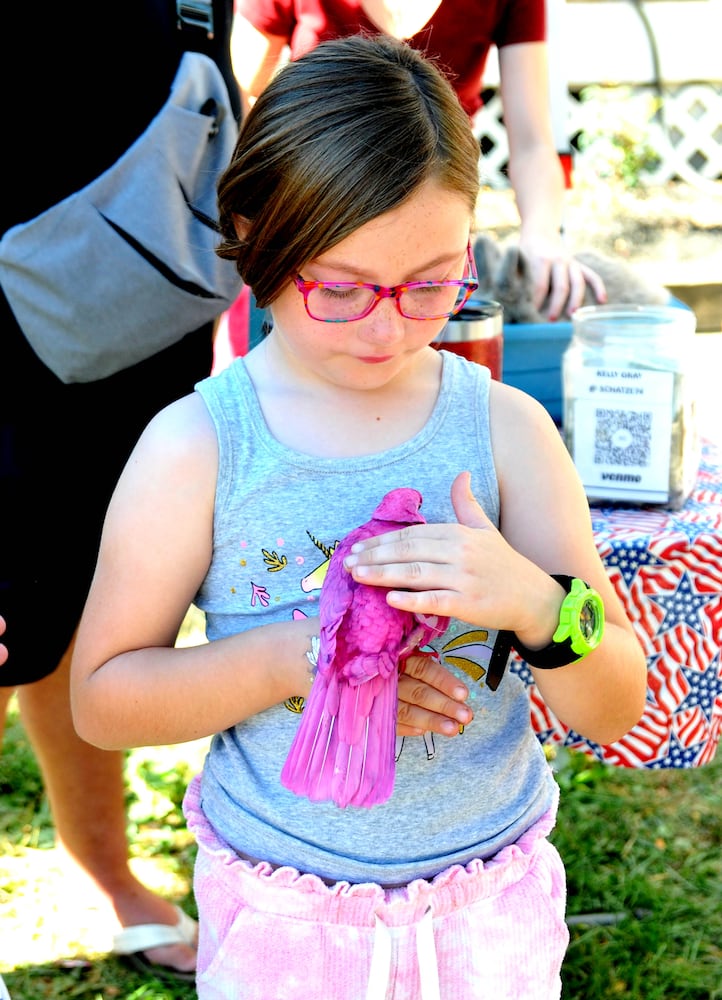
pixel 343 750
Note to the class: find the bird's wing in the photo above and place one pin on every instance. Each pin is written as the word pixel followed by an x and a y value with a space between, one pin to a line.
pixel 344 745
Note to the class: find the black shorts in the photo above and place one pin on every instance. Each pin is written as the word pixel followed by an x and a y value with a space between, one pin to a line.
pixel 62 449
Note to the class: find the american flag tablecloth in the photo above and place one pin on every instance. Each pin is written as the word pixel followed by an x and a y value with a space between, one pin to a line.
pixel 666 567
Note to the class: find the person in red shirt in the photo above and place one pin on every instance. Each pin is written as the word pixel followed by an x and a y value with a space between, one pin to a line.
pixel 459 35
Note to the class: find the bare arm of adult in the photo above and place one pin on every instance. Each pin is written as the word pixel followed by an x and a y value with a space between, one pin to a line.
pixel 500 579
pixel 536 176
pixel 255 57
pixel 130 685
pixel 401 20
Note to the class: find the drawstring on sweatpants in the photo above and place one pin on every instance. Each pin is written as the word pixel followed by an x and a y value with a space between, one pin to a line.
pixel 380 962
pixel 425 951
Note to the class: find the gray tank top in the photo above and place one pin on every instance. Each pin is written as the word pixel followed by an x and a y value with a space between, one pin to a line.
pixel 278 514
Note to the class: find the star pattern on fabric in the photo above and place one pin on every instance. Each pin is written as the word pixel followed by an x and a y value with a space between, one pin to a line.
pixel 705 686
pixel 683 603
pixel 546 736
pixel 521 669
pixel 600 525
pixel 647 550
pixel 628 557
pixel 577 742
pixel 690 529
pixel 676 754
pixel 655 657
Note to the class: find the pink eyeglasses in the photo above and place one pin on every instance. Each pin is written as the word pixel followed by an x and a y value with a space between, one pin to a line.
pixel 346 301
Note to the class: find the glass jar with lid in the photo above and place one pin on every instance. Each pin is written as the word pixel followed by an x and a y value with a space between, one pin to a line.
pixel 629 418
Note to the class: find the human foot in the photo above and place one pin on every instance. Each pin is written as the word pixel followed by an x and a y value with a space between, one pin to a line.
pixel 161 949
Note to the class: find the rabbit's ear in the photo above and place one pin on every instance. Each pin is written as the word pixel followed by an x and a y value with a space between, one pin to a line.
pixel 514 288
pixel 514 270
pixel 515 266
pixel 487 257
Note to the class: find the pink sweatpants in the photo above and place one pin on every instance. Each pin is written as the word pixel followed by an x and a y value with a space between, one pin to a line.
pixel 491 930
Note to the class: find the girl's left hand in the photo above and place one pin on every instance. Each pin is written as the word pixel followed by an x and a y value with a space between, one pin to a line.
pixel 431 698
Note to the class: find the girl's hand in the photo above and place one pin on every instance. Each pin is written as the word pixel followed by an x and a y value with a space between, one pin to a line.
pixel 430 698
pixel 466 570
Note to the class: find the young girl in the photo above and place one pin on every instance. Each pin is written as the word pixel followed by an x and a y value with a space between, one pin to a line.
pixel 348 207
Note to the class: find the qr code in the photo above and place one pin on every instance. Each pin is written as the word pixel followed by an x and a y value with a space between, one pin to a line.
pixel 622 437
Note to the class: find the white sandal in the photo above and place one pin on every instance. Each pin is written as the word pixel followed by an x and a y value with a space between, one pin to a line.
pixel 130 943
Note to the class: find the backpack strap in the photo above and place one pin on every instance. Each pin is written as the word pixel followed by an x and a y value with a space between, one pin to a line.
pixel 205 26
pixel 195 15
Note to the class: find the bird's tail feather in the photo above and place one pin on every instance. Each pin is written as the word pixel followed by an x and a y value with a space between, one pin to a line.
pixel 343 750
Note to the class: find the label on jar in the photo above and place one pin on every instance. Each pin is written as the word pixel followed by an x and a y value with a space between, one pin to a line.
pixel 621 431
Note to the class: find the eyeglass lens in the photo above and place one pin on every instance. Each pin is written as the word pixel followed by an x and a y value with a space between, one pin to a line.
pixel 342 303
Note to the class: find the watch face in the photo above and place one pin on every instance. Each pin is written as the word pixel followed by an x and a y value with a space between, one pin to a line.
pixel 581 618
pixel 588 620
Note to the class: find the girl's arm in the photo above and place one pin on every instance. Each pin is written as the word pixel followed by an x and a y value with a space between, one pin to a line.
pixel 130 686
pixel 545 515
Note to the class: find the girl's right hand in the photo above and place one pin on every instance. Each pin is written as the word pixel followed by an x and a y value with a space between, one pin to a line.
pixel 431 698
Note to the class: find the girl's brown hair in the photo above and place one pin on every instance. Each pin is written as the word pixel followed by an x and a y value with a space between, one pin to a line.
pixel 343 134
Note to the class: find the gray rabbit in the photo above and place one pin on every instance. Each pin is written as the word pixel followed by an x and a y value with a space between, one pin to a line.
pixel 504 275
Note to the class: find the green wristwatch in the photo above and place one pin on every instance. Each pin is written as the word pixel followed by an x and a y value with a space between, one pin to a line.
pixel 580 628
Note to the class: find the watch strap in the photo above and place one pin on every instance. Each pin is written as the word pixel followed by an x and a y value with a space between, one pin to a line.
pixel 499 658
pixel 549 657
pixel 555 654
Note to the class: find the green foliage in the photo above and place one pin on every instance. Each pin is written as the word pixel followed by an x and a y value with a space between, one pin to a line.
pixel 642 851
pixel 155 787
pixel 618 134
pixel 104 979
pixel 25 816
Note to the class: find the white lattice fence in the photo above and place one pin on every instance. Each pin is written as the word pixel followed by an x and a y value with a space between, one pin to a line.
pixel 489 128
pixel 687 140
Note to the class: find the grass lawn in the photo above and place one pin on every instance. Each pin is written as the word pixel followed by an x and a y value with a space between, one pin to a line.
pixel 54 941
pixel 643 851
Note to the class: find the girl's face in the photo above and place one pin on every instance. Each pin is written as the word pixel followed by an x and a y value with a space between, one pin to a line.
pixel 425 239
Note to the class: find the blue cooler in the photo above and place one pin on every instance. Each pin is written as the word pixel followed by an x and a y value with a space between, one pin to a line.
pixel 533 361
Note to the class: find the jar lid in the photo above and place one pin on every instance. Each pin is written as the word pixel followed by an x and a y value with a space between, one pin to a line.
pixel 595 323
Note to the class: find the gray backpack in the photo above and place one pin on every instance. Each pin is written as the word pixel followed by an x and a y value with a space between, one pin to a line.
pixel 126 266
